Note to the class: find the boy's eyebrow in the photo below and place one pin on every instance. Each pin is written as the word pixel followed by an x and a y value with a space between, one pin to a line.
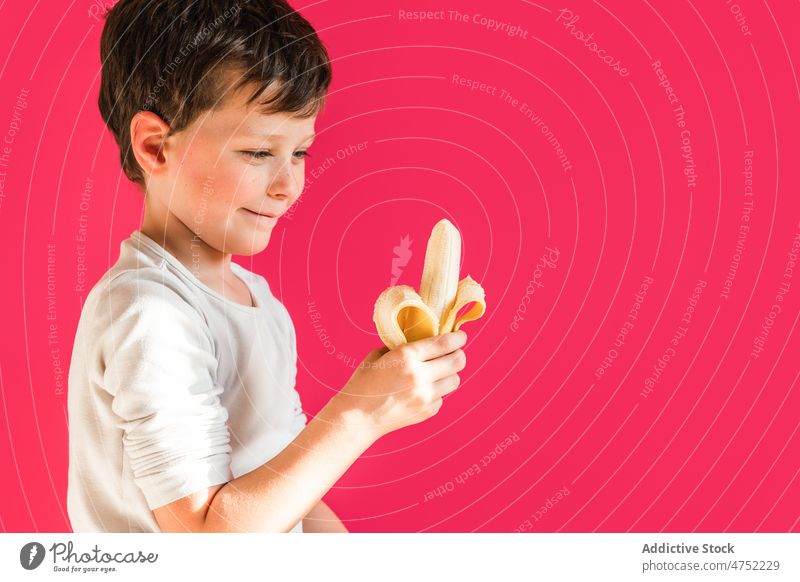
pixel 252 133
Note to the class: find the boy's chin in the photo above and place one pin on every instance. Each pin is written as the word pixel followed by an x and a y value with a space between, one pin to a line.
pixel 252 244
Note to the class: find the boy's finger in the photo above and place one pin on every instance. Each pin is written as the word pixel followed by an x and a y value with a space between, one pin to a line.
pixel 447 365
pixel 376 354
pixel 430 348
pixel 446 385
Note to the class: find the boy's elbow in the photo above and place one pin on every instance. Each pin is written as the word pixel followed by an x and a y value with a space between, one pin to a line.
pixel 190 514
pixel 227 514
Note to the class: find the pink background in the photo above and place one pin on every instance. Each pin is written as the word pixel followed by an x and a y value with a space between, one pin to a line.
pixel 712 447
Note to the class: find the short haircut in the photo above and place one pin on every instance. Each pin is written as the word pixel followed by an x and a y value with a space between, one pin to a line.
pixel 172 56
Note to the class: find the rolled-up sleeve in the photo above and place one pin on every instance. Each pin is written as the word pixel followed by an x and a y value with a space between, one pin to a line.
pixel 160 369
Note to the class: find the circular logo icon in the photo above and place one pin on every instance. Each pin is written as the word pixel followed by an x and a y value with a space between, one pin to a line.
pixel 31 555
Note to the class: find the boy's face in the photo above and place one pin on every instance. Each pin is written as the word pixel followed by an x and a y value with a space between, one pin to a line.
pixel 232 165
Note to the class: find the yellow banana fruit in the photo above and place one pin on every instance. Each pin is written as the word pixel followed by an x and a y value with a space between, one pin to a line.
pixel 402 315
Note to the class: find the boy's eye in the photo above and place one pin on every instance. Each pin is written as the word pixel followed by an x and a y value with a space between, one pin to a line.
pixel 257 154
pixel 262 154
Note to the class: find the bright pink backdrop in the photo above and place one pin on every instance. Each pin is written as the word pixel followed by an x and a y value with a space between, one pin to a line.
pixel 712 446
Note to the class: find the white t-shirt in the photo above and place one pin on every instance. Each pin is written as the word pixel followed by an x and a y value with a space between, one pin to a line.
pixel 173 388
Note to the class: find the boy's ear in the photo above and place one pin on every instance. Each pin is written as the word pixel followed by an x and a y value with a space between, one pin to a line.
pixel 148 140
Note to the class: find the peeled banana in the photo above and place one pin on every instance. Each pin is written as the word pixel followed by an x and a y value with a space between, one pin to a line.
pixel 402 315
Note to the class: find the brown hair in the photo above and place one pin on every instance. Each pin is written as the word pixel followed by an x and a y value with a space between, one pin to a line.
pixel 170 56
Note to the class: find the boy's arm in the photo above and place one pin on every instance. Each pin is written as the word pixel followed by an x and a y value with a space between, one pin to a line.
pixel 322 519
pixel 282 491
pixel 391 389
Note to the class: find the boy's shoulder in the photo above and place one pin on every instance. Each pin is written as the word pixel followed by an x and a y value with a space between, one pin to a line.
pixel 138 275
pixel 138 283
pixel 142 302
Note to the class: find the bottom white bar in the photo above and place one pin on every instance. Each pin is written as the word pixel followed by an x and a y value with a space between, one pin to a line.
pixel 400 557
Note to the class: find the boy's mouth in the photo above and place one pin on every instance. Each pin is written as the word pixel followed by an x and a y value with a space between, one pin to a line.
pixel 262 214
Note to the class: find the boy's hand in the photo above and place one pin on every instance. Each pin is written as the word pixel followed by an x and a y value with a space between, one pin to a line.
pixel 395 388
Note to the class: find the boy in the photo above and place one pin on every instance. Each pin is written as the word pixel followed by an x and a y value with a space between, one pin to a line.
pixel 183 410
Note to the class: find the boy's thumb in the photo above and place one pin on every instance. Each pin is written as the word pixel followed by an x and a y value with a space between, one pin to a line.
pixel 376 354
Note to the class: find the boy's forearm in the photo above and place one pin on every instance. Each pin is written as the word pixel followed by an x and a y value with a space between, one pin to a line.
pixel 322 519
pixel 282 491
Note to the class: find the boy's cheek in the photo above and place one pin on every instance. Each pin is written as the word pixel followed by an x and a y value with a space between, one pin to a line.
pixel 208 181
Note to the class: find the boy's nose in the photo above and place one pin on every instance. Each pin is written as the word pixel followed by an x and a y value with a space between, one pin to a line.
pixel 285 185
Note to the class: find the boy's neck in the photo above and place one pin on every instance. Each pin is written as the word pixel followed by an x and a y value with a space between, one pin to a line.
pixel 205 262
